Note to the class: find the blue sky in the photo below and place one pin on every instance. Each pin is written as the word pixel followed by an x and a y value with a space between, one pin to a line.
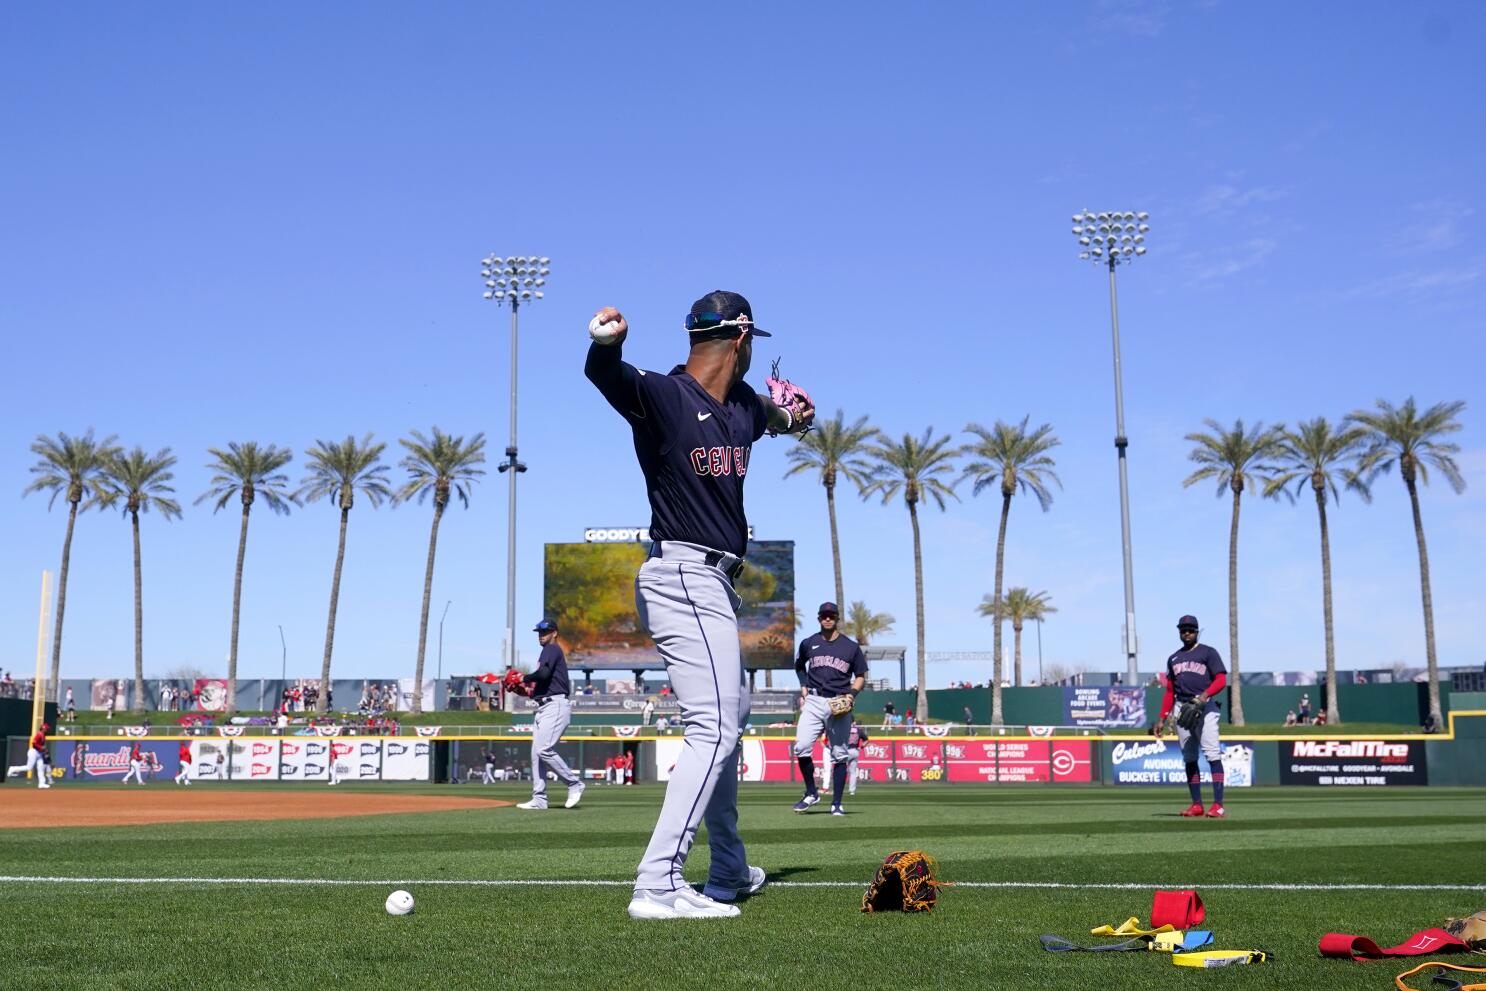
pixel 265 222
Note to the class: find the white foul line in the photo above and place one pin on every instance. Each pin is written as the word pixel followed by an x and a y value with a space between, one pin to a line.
pixel 585 883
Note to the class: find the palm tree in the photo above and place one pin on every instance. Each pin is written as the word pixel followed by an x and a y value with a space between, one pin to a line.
pixel 443 466
pixel 914 467
pixel 1412 440
pixel 1235 459
pixel 862 624
pixel 248 472
pixel 1015 461
pixel 335 471
pixel 1019 606
pixel 1317 455
pixel 834 450
pixel 73 468
pixel 141 481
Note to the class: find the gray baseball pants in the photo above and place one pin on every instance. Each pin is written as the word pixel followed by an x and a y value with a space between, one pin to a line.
pixel 1206 742
pixel 551 722
pixel 691 611
pixel 815 719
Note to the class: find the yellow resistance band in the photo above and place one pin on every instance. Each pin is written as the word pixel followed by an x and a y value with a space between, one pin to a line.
pixel 1130 927
pixel 1219 958
pixel 1398 981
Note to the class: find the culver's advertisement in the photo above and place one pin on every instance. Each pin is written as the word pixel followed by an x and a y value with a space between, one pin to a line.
pixel 1159 762
pixel 1353 763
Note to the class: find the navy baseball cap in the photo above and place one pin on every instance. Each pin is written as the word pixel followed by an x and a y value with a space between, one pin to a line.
pixel 719 314
pixel 828 609
pixel 545 626
pixel 1187 623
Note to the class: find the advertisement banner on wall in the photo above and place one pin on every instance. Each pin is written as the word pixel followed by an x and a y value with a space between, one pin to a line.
pixel 1352 763
pixel 304 759
pixel 209 760
pixel 405 760
pixel 211 694
pixel 100 761
pixel 1159 762
pixel 1104 707
pixel 253 760
pixel 1013 761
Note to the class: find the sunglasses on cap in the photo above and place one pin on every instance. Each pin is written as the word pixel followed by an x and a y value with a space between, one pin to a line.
pixel 696 322
pixel 828 615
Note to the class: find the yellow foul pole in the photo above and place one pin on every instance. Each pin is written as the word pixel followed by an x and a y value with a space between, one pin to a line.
pixel 38 695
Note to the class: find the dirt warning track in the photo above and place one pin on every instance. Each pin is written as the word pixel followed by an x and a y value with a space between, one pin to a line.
pixel 34 808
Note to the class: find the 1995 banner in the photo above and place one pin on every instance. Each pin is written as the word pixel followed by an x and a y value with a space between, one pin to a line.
pixel 1366 763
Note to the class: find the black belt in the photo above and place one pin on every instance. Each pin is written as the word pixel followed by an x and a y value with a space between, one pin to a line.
pixel 543 700
pixel 817 691
pixel 713 559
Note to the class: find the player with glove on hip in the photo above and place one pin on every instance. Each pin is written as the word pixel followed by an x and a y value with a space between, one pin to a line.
pixel 693 430
pixel 1194 675
pixel 832 670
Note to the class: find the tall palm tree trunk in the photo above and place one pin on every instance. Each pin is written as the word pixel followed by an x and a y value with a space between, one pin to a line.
pixel 835 543
pixel 1235 693
pixel 53 686
pixel 1435 710
pixel 1016 637
pixel 996 715
pixel 139 699
pixel 237 599
pixel 433 542
pixel 921 707
pixel 1333 708
pixel 335 595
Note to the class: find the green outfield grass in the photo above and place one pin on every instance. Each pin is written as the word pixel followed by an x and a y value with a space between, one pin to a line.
pixel 307 934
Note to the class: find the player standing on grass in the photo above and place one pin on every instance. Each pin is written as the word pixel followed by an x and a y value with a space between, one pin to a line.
pixel 136 765
pixel 854 741
pixel 1194 675
pixel 694 430
pixel 832 670
pixel 548 686
pixel 36 758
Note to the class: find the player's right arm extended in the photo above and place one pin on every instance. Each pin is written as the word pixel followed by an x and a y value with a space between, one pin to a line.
pixel 617 380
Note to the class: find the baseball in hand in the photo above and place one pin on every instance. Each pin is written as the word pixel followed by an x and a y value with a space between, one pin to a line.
pixel 607 326
pixel 399 903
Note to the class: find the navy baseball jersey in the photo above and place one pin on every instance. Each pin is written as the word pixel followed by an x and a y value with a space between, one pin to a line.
pixel 830 666
pixel 692 449
pixel 1191 671
pixel 551 675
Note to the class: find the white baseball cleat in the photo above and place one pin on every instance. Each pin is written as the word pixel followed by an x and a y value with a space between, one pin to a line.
pixel 732 892
pixel 575 793
pixel 803 805
pixel 682 904
pixel 533 806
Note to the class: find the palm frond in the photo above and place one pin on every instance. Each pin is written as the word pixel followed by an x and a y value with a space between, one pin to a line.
pixel 439 465
pixel 1403 436
pixel 249 471
pixel 1237 457
pixel 337 470
pixel 72 468
pixel 913 467
pixel 1013 458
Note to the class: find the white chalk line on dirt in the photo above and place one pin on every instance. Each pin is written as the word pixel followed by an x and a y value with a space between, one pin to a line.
pixel 596 883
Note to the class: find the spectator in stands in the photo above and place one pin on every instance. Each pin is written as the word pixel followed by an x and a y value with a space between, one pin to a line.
pixel 887 714
pixel 1320 719
pixel 662 724
pixel 1303 710
pixel 969 716
pixel 1290 719
pixel 647 711
pixel 665 689
pixel 909 721
pixel 71 711
pixel 108 706
pixel 1430 725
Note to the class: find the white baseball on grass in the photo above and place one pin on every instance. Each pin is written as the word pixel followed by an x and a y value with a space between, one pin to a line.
pixel 603 331
pixel 399 903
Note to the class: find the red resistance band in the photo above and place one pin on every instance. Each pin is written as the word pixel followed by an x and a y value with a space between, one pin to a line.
pixel 1421 944
pixel 1181 909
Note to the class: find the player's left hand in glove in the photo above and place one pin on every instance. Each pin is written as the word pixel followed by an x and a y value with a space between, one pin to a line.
pixel 1193 711
pixel 794 402
pixel 841 704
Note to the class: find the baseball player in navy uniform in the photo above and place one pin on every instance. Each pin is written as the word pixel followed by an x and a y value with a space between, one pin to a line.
pixel 36 758
pixel 1195 673
pixel 548 686
pixel 694 430
pixel 830 666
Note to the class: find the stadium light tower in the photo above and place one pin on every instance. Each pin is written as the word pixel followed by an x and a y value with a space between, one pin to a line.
pixel 1112 239
pixel 516 281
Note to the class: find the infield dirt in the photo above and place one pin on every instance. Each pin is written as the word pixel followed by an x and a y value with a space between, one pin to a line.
pixel 34 808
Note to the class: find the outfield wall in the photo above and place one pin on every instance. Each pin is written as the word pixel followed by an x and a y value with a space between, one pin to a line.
pixel 248 758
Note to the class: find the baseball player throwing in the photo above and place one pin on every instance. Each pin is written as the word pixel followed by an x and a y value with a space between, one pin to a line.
pixel 548 686
pixel 694 430
pixel 1194 675
pixel 832 670
pixel 36 757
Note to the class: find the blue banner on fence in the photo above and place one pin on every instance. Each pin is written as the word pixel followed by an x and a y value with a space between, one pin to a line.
pixel 98 761
pixel 1105 707
pixel 1159 762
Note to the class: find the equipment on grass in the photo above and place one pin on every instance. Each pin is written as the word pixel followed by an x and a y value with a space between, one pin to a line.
pixel 1131 927
pixel 1057 944
pixel 399 903
pixel 1179 942
pixel 792 400
pixel 1191 715
pixel 1471 930
pixel 1179 909
pixel 904 883
pixel 1442 977
pixel 1426 942
pixel 841 704
pixel 1221 958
